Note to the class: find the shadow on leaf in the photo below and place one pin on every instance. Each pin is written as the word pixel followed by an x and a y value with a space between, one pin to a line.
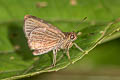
pixel 17 38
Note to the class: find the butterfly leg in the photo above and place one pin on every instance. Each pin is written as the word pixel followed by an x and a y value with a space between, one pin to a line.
pixel 69 55
pixel 54 56
pixel 78 47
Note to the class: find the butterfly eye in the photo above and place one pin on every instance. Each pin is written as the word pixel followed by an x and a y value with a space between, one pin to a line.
pixel 72 36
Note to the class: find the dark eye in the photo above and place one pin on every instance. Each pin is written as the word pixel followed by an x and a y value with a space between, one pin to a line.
pixel 72 36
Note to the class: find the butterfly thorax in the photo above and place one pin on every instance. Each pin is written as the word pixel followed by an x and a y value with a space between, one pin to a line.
pixel 68 40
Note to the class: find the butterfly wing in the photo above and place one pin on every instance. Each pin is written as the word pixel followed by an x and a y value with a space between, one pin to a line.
pixel 32 22
pixel 41 41
pixel 41 35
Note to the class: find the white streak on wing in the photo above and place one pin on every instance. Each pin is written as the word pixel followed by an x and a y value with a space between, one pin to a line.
pixel 43 51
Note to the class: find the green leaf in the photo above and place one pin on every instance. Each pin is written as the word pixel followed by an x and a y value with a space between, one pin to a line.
pixel 17 61
pixel 22 63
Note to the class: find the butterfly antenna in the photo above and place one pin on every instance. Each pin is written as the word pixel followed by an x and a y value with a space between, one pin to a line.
pixel 81 22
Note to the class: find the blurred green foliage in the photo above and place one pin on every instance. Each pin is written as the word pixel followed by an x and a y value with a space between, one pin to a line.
pixel 16 58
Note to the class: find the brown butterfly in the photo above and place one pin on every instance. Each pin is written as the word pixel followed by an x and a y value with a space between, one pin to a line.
pixel 44 37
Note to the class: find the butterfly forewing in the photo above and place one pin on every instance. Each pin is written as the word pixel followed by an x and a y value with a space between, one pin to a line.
pixel 42 36
pixel 31 23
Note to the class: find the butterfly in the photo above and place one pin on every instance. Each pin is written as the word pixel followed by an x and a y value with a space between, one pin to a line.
pixel 43 37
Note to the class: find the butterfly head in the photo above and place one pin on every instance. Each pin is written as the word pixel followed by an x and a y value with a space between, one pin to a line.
pixel 72 36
